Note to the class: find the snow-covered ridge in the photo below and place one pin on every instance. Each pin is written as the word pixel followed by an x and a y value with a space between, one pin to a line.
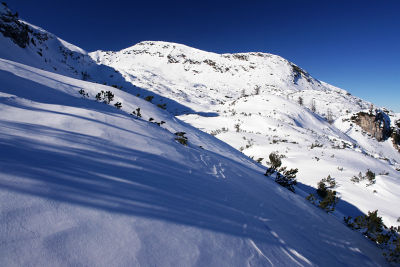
pixel 197 78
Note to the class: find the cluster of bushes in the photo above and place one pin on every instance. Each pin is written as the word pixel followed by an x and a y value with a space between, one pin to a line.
pixel 284 177
pixel 316 145
pixel 218 131
pixel 106 97
pixel 158 123
pixel 372 227
pixel 369 176
pixel 103 96
pixel 326 198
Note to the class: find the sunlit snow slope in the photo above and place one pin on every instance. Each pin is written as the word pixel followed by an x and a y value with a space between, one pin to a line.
pixel 251 101
pixel 83 183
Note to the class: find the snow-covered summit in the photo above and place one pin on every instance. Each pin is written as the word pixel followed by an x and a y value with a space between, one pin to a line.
pixel 202 79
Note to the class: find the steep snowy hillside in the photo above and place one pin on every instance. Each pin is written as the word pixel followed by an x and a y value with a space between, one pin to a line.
pixel 261 103
pixel 83 182
pixel 86 183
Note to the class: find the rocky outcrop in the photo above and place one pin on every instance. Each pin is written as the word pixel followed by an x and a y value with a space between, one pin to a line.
pixel 378 124
pixel 12 28
pixel 396 135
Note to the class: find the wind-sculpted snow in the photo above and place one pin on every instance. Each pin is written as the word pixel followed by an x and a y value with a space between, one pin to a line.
pixel 84 183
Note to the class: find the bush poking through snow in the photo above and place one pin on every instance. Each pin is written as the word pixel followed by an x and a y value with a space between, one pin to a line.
pixel 329 202
pixel 83 93
pixel 369 175
pixel 316 145
pixel 275 160
pixel 181 138
pixel 137 113
pixel 372 227
pixel 162 106
pixel 284 177
pixel 106 97
pixel 327 198
pixel 287 179
pixel 118 105
pixel 149 98
pixel 300 101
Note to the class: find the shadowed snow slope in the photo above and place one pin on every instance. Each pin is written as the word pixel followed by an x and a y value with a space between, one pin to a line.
pixel 84 183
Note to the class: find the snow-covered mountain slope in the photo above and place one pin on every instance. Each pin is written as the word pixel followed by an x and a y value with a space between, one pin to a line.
pixel 75 174
pixel 202 80
pixel 85 183
pixel 251 101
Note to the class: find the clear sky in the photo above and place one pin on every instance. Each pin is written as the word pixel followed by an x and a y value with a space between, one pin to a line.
pixel 354 45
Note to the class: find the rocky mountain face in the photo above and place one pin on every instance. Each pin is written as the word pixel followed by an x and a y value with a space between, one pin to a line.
pixel 378 125
pixel 11 27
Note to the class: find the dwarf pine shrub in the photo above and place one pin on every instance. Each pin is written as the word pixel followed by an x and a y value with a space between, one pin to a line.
pixel 370 177
pixel 284 177
pixel 83 93
pixel 181 138
pixel 326 198
pixel 137 113
pixel 118 105
pixel 149 98
pixel 372 227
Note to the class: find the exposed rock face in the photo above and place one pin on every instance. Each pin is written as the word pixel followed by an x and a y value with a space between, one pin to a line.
pixel 12 28
pixel 396 135
pixel 378 124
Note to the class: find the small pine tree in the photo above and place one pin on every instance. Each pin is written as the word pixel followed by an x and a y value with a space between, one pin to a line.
pixel 313 106
pixel 371 177
pixel 275 160
pixel 99 95
pixel 329 116
pixel 287 179
pixel 322 191
pixel 83 93
pixel 149 98
pixel 237 127
pixel 329 202
pixel 118 105
pixel 300 101
pixel 108 97
pixel 181 138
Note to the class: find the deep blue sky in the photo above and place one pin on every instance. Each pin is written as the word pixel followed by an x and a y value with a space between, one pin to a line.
pixel 354 45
